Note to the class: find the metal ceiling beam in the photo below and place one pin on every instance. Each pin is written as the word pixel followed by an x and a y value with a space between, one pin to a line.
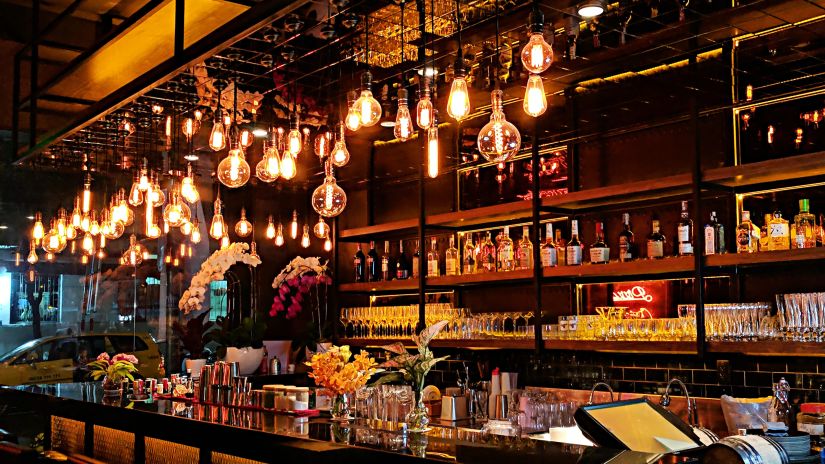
pixel 246 23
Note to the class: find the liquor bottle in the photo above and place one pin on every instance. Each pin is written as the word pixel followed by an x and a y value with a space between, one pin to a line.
pixel 549 253
pixel 402 270
pixel 385 263
pixel 415 260
pixel 451 259
pixel 373 275
pixel 745 240
pixel 506 257
pixel 806 230
pixel 432 259
pixel 468 264
pixel 655 242
pixel 685 232
pixel 719 232
pixel 714 244
pixel 525 250
pixel 488 255
pixel 627 247
pixel 359 262
pixel 779 234
pixel 764 236
pixel 599 252
pixel 561 248
pixel 574 248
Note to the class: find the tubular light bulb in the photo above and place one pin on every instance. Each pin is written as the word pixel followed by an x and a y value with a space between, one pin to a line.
pixel 432 151
pixel 535 101
pixel 537 54
pixel 328 244
pixel 458 104
pixel 135 194
pixel 403 129
pixel 189 127
pixel 288 167
pixel 321 229
pixel 234 171
pixel 270 228
pixel 498 140
pixel 17 258
pixel 353 118
pixel 246 138
pixel 86 199
pixel 279 236
pixel 195 236
pixel 168 128
pixel 293 226
pixel 102 242
pixel 369 110
pixel 216 229
pixel 322 144
pixel 305 237
pixel 424 111
pixel 38 232
pixel 268 168
pixel 243 227
pixel 217 138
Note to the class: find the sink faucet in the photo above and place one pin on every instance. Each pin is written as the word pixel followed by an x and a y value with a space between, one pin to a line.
pixel 593 390
pixel 692 415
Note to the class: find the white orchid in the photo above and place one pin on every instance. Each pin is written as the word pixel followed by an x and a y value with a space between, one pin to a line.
pixel 213 269
pixel 300 266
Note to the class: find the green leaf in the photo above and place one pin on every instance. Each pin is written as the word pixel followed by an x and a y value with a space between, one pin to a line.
pixel 388 378
pixel 423 339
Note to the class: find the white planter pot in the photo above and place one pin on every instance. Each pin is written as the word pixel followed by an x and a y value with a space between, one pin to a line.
pixel 248 359
pixel 281 349
pixel 193 366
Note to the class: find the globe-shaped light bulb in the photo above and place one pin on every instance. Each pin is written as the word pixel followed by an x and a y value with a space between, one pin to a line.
pixel 498 140
pixel 537 54
pixel 329 200
pixel 268 168
pixel 243 227
pixel 535 101
pixel 321 229
pixel 234 171
pixel 369 110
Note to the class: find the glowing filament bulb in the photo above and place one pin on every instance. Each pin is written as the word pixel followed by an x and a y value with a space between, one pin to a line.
pixel 102 241
pixel 424 112
pixel 288 166
pixel 322 141
pixel 217 138
pixel 246 138
pixel 188 128
pixel 294 142
pixel 293 226
pixel 327 244
pixel 432 151
pixel 270 228
pixel 340 154
pixel 168 127
pixel 458 104
pixel 186 228
pixel 353 117
pixel 86 198
pixel 369 110
pixel 224 242
pixel 188 189
pixel 198 114
pixel 535 101
pixel 798 139
pixel 403 129
pixel 279 236
pixel 770 134
pixel 537 54
pixel 234 171
pixel 305 237
pixel 85 223
pixel 38 232
pixel 499 140
pixel 195 236
pixel 749 93
pixel 321 229
pixel 32 258
pixel 243 227
pixel 217 228
pixel 143 182
pixel 88 244
pixel 268 168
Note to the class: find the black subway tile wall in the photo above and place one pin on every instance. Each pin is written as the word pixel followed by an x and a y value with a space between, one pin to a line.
pixel 642 373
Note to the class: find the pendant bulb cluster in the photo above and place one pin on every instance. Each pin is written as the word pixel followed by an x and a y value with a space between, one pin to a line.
pixel 536 56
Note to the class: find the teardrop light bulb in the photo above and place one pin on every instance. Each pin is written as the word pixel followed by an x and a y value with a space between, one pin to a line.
pixel 403 129
pixel 458 104
pixel 270 228
pixel 279 235
pixel 535 101
pixel 217 138
pixel 424 111
pixel 268 168
pixel 305 237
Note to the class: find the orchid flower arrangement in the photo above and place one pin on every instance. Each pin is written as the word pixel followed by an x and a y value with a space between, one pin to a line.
pixel 294 283
pixel 333 370
pixel 213 269
pixel 114 369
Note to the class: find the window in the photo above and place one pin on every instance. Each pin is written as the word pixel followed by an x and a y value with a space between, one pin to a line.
pixel 37 354
pixel 65 348
pixel 124 344
pixel 90 347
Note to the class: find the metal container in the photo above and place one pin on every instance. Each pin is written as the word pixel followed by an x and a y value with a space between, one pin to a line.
pixel 746 449
pixel 274 366
pixel 453 408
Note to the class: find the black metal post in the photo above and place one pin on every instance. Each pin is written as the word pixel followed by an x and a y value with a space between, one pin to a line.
pixel 180 21
pixel 699 237
pixel 422 216
pixel 15 109
pixel 537 268
pixel 33 83
pixel 334 265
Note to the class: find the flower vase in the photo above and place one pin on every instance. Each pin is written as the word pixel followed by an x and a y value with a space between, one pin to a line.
pixel 340 408
pixel 111 387
pixel 418 419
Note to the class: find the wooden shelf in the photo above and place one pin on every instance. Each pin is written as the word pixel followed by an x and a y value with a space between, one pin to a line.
pixel 765 172
pixel 400 228
pixel 630 192
pixel 688 347
pixel 511 344
pixel 476 279
pixel 769 348
pixel 672 265
pixel 374 287
pixel 765 257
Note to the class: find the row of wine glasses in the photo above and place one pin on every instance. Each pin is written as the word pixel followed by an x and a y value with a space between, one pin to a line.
pixel 735 321
pixel 800 317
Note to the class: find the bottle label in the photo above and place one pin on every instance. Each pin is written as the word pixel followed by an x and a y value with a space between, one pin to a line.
pixel 549 257
pixel 451 266
pixel 599 255
pixel 415 266
pixel 400 274
pixel 710 241
pixel 385 266
pixel 432 268
pixel 800 240
pixel 779 237
pixel 574 255
pixel 685 248
pixel 625 250
pixel 655 249
pixel 526 261
pixel 743 241
pixel 370 261
pixel 684 233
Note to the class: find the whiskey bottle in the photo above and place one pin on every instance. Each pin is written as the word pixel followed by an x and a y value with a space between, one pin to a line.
pixel 561 248
pixel 745 242
pixel 599 252
pixel 549 254
pixel 373 275
pixel 488 255
pixel 506 256
pixel 805 226
pixel 685 232
pixel 432 259
pixel 468 264
pixel 714 236
pixel 525 250
pixel 359 265
pixel 451 259
pixel 416 260
pixel 779 234
pixel 655 242
pixel 627 247
pixel 402 270
pixel 385 263
pixel 574 248
pixel 764 236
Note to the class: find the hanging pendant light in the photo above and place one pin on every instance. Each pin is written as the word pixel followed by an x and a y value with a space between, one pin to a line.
pixel 176 213
pixel 294 140
pixel 424 108
pixel 340 154
pixel 217 228
pixel 186 228
pixel 323 143
pixel 76 216
pixel 143 180
pixel 195 236
pixel 217 138
pixel 329 199
pixel 289 168
pixel 61 222
pixel 188 189
pixel 537 54
pixel 328 244
pixel 243 227
pixel 32 258
pixel 403 129
pixel 225 241
pixel 369 110
pixel 86 196
pixel 88 244
pixel 432 151
pixel 498 140
pixel 279 235
pixel 268 168
pixel 305 237
pixel 458 103
pixel 234 171
pixel 293 226
pixel 190 127
pixel 38 232
pixel 156 195
pixel 535 101
pixel 135 194
pixel 94 226
pixel 321 229
pixel 270 228
pixel 353 118
pixel 245 138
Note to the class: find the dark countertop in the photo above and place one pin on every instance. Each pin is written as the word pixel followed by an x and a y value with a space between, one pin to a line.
pixel 269 436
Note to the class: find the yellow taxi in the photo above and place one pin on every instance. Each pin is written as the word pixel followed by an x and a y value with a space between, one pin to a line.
pixel 62 358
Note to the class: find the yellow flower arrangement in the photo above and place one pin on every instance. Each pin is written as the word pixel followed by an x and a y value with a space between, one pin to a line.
pixel 333 370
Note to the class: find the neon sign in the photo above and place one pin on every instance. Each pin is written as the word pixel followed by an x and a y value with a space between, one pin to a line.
pixel 637 293
pixel 642 300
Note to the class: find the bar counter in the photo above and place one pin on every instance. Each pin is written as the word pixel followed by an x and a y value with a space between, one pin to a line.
pixel 76 420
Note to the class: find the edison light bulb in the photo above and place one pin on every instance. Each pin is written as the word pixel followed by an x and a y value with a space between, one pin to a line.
pixel 189 127
pixel 535 101
pixel 32 258
pixel 217 138
pixel 268 168
pixel 369 110
pixel 234 171
pixel 340 154
pixel 279 235
pixel 173 213
pixel 329 199
pixel 94 226
pixel 61 222
pixel 353 118
pixel 102 243
pixel 294 142
pixel 88 244
pixel 195 236
pixel 243 227
pixel 498 140
pixel 537 54
pixel 305 237
pixel 288 166
pixel 323 142
pixel 321 229
pixel 458 104
pixel 270 228
pixel 327 244
pixel 432 151
pixel 216 229
pixel 37 230
pixel 403 129
pixel 188 189
pixel 246 138
pixel 156 194
pixel 115 230
pixel 85 223
pixel 225 241
pixel 424 111
pixel 71 232
pixel 293 226
pixel 76 217
pixel 86 198
pixel 143 181
pixel 153 231
pixel 135 194
pixel 186 228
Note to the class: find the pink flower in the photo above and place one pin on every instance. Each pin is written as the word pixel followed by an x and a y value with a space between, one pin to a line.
pixel 293 282
pixel 307 280
pixel 103 357
pixel 283 291
pixel 125 357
